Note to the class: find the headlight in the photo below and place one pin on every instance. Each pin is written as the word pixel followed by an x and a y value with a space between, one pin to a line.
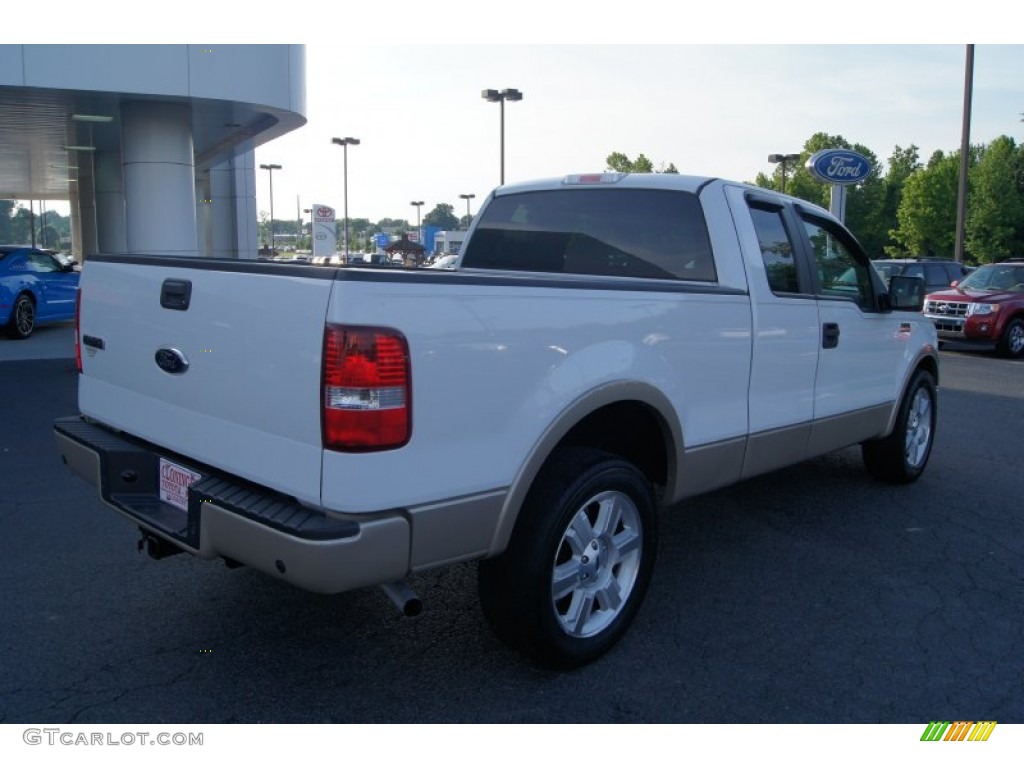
pixel 982 309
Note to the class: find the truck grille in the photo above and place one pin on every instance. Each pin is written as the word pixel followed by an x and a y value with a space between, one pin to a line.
pixel 948 316
pixel 939 308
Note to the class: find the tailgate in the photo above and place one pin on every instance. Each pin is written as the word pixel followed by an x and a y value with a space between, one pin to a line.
pixel 218 361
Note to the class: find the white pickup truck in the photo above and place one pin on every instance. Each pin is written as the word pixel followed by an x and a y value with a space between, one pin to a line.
pixel 607 345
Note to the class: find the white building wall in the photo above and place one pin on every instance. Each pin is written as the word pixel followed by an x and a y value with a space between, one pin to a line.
pixel 154 201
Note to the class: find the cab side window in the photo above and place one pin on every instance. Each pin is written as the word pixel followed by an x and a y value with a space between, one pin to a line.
pixel 842 269
pixel 776 249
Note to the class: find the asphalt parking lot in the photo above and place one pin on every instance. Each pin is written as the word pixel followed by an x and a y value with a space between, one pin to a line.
pixel 810 595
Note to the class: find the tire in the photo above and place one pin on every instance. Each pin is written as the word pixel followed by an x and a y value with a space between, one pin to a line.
pixel 902 456
pixel 23 318
pixel 579 562
pixel 1011 343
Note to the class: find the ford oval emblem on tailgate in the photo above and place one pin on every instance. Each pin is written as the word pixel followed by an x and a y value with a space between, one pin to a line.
pixel 171 360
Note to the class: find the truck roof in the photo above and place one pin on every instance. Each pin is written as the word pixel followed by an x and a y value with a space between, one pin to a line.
pixel 635 180
pixel 669 181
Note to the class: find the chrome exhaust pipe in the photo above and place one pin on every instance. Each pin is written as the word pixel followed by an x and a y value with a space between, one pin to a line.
pixel 401 594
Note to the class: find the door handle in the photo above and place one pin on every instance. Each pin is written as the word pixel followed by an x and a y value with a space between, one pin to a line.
pixel 176 294
pixel 829 335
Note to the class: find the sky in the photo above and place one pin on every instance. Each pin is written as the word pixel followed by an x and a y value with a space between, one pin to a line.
pixel 711 88
pixel 426 133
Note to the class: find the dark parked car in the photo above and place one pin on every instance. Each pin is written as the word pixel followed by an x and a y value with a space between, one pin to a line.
pixel 35 288
pixel 938 274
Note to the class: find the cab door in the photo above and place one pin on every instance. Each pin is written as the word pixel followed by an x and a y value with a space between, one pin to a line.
pixel 862 346
pixel 785 337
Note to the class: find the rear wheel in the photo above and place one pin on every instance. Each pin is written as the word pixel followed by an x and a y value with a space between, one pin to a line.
pixel 902 456
pixel 1011 343
pixel 23 318
pixel 579 562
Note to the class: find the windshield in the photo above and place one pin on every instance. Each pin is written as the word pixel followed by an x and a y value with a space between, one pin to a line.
pixel 995 277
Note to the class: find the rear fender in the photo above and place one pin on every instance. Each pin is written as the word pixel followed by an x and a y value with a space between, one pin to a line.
pixel 600 397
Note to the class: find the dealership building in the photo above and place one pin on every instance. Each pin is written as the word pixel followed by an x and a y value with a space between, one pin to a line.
pixel 152 145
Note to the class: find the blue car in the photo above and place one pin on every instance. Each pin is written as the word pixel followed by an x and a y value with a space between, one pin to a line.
pixel 35 288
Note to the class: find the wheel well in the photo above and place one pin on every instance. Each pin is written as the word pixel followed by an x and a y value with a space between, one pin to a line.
pixel 931 365
pixel 630 429
pixel 22 292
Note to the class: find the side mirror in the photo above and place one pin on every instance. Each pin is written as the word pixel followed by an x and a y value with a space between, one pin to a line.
pixel 906 294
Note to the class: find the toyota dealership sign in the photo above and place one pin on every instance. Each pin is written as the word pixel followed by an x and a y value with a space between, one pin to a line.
pixel 325 233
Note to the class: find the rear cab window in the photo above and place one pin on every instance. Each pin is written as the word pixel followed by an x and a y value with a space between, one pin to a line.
pixel 629 233
pixel 777 249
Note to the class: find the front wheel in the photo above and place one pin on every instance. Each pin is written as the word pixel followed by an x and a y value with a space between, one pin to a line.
pixel 579 562
pixel 1011 343
pixel 902 456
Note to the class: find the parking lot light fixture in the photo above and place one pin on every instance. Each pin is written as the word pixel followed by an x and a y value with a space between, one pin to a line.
pixel 782 160
pixel 508 94
pixel 419 230
pixel 469 217
pixel 270 168
pixel 344 144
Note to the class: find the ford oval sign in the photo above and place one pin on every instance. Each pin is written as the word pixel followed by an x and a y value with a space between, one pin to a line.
pixel 839 166
pixel 171 360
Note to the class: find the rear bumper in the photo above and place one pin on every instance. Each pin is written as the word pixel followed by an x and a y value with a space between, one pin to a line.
pixel 234 519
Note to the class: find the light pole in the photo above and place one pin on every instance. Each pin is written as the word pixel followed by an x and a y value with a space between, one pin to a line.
pixel 965 143
pixel 343 143
pixel 270 169
pixel 509 94
pixel 469 218
pixel 783 159
pixel 418 204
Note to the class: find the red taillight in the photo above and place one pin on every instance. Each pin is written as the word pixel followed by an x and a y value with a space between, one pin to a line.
pixel 366 399
pixel 78 339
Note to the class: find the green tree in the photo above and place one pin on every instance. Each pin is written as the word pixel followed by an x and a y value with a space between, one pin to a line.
pixel 49 237
pixel 995 213
pixel 263 227
pixel 359 226
pixel 927 213
pixel 6 208
pixel 619 163
pixel 393 225
pixel 21 226
pixel 903 163
pixel 286 227
pixel 443 216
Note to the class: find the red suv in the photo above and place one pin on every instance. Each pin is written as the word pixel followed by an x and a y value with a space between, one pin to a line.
pixel 986 308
